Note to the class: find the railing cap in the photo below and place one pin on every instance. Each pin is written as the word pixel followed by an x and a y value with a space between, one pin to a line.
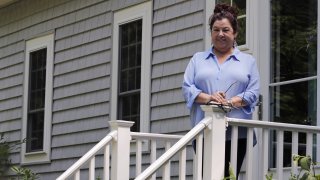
pixel 215 108
pixel 120 123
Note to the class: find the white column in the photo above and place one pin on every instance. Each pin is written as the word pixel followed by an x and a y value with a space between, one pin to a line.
pixel 214 144
pixel 120 160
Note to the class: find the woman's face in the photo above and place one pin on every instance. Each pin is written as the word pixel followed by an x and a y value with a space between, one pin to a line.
pixel 222 35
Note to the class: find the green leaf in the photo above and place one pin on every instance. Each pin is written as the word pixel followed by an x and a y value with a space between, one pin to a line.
pixel 305 163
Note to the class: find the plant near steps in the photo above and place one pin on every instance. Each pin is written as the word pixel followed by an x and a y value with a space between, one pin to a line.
pixel 307 170
pixel 5 162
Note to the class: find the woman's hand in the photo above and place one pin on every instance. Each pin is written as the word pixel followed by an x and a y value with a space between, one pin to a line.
pixel 219 97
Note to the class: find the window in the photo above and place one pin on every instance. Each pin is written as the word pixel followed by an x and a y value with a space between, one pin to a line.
pixel 293 70
pixel 37 100
pixel 130 70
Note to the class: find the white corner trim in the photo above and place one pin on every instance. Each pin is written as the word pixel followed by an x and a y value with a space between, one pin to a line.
pixel 141 11
pixel 46 41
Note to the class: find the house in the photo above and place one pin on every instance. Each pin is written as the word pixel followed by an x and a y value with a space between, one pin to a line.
pixel 68 67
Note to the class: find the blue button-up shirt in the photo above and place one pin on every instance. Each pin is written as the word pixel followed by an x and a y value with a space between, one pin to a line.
pixel 205 74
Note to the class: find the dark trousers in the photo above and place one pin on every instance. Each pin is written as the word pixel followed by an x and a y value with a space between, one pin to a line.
pixel 242 147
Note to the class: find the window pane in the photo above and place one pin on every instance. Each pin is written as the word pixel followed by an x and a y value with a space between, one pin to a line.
pixel 35 131
pixel 294 103
pixel 242 31
pixel 294 39
pixel 37 81
pixel 130 73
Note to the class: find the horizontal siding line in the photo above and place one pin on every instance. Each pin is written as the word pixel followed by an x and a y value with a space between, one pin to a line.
pixel 86 43
pixel 180 15
pixel 72 143
pixel 80 119
pixel 82 106
pixel 166 48
pixel 62 15
pixel 169 4
pixel 80 94
pixel 81 97
pixel 108 36
pixel 165 105
pixel 65 86
pixel 85 68
pixel 64 110
pixel 176 59
pixel 14 72
pixel 11 65
pixel 7 59
pixel 6 88
pixel 85 56
pixel 17 52
pixel 17 32
pixel 82 32
pixel 10 44
pixel 178 30
pixel 80 131
pixel 13 75
pixel 175 45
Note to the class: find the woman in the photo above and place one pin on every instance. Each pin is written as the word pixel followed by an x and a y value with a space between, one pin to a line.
pixel 223 75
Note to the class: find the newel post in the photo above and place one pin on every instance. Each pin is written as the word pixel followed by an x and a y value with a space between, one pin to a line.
pixel 214 143
pixel 120 154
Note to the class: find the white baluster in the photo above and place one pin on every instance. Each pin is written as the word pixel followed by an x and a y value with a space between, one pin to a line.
pixel 106 171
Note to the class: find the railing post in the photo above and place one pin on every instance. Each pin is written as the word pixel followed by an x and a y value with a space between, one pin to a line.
pixel 214 144
pixel 120 161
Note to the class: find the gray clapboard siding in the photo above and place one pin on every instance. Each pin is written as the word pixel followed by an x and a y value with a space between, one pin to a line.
pixel 176 125
pixel 81 124
pixel 82 62
pixel 166 83
pixel 82 75
pixel 11 60
pixel 11 81
pixel 11 125
pixel 178 38
pixel 119 4
pixel 177 52
pixel 169 111
pixel 166 97
pixel 78 138
pixel 81 112
pixel 10 114
pixel 177 24
pixel 10 92
pixel 86 24
pixel 69 152
pixel 81 100
pixel 176 10
pixel 82 87
pixel 11 70
pixel 10 103
pixel 170 68
pixel 83 50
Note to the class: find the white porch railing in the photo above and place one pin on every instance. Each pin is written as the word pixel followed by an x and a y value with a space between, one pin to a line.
pixel 210 131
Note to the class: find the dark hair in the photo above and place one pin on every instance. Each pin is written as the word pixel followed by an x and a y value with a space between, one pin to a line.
pixel 225 11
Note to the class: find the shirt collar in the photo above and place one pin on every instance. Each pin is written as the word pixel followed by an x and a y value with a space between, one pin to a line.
pixel 235 54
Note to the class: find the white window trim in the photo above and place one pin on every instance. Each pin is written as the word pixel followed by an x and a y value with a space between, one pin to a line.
pixel 250 33
pixel 141 11
pixel 46 41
